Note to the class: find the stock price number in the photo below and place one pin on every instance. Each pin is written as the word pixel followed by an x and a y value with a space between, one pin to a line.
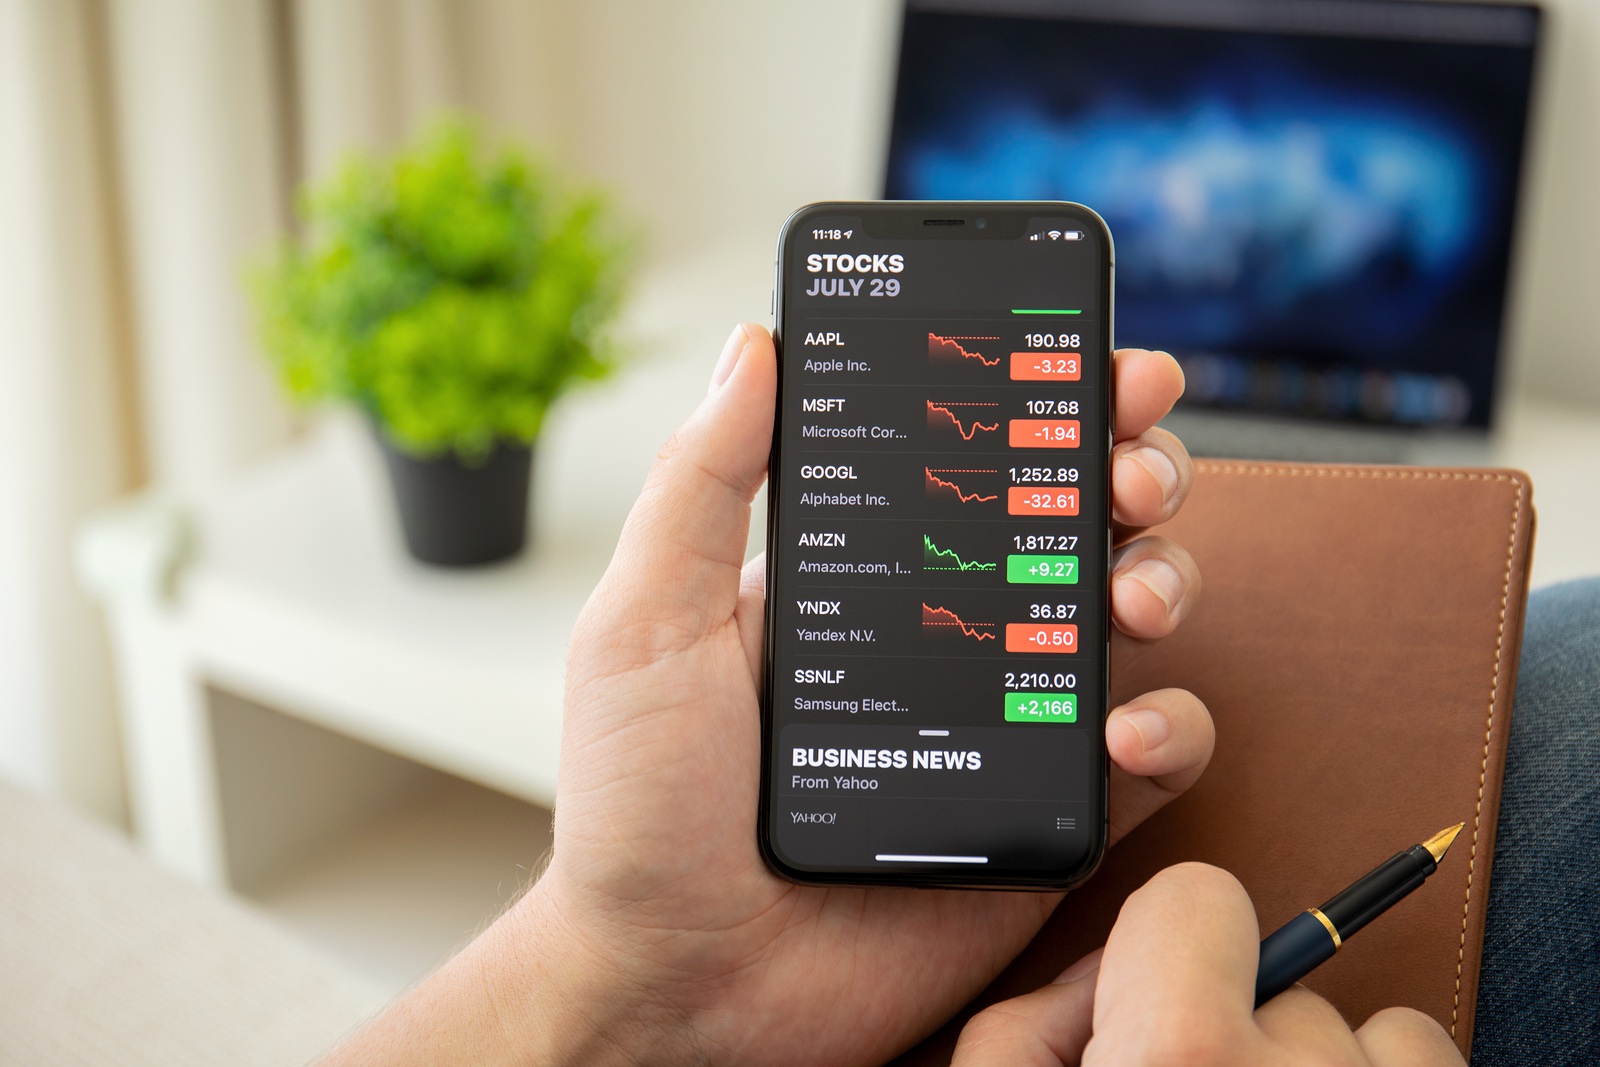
pixel 1052 611
pixel 1052 407
pixel 1045 542
pixel 1052 340
pixel 1043 475
pixel 1041 680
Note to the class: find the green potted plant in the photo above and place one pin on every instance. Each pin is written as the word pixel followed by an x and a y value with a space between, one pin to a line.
pixel 452 296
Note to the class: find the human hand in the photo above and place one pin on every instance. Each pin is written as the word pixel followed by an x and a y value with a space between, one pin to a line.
pixel 657 934
pixel 655 858
pixel 1176 984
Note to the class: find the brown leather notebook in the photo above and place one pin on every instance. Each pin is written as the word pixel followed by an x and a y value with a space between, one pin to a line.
pixel 1356 642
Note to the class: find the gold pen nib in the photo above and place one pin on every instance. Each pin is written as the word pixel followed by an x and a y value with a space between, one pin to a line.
pixel 1439 843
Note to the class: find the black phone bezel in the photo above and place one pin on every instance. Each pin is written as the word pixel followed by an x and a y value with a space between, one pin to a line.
pixel 954 220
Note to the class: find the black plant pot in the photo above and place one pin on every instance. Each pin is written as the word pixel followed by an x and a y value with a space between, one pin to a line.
pixel 458 514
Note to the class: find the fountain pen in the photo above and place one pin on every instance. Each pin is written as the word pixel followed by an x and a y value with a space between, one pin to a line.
pixel 1311 938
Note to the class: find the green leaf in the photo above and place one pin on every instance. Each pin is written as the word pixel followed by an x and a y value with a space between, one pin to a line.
pixel 451 297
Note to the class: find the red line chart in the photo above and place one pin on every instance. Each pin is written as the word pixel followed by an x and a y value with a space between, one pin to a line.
pixel 941 616
pixel 935 423
pixel 936 483
pixel 950 350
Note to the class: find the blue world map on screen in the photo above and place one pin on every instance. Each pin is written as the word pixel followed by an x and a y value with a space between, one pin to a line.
pixel 1271 203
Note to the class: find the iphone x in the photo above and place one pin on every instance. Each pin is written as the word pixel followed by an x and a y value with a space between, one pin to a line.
pixel 937 546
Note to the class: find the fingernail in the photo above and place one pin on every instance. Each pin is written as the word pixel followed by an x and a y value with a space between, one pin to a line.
pixel 1151 725
pixel 1161 578
pixel 1090 964
pixel 1161 468
pixel 729 357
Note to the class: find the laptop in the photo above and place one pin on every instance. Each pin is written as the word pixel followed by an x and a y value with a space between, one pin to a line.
pixel 1314 201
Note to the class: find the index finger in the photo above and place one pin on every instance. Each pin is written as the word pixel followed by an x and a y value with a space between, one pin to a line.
pixel 1180 963
pixel 1147 385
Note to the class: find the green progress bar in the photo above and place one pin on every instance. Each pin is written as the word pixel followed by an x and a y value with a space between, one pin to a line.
pixel 1046 311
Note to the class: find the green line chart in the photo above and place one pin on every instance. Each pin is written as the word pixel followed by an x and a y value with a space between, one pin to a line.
pixel 935 558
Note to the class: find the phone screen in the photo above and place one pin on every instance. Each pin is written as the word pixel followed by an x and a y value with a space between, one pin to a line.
pixel 938 540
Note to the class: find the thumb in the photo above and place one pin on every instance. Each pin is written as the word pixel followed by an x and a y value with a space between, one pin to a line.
pixel 677 566
pixel 1046 1028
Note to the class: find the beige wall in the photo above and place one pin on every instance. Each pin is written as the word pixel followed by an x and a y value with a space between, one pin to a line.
pixel 721 113
pixel 1557 337
pixel 147 148
pixel 716 115
pixel 147 154
pixel 368 71
pixel 63 432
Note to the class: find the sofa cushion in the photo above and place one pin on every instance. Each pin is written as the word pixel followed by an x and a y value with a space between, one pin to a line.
pixel 106 958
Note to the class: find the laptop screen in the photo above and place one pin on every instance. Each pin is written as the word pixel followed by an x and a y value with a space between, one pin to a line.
pixel 1312 200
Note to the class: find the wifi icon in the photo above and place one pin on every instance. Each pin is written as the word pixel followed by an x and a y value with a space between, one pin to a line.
pixel 1055 235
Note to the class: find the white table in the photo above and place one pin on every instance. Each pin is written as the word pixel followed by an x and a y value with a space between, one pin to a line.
pixel 289 586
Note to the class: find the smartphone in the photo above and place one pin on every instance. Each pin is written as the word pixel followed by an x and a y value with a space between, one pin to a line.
pixel 937 546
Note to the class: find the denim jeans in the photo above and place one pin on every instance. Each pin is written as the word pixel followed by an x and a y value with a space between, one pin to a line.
pixel 1539 994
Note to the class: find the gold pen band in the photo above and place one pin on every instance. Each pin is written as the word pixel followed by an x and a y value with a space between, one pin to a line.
pixel 1323 919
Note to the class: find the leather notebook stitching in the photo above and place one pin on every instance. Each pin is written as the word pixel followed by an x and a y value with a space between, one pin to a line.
pixel 1237 523
pixel 1499 645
